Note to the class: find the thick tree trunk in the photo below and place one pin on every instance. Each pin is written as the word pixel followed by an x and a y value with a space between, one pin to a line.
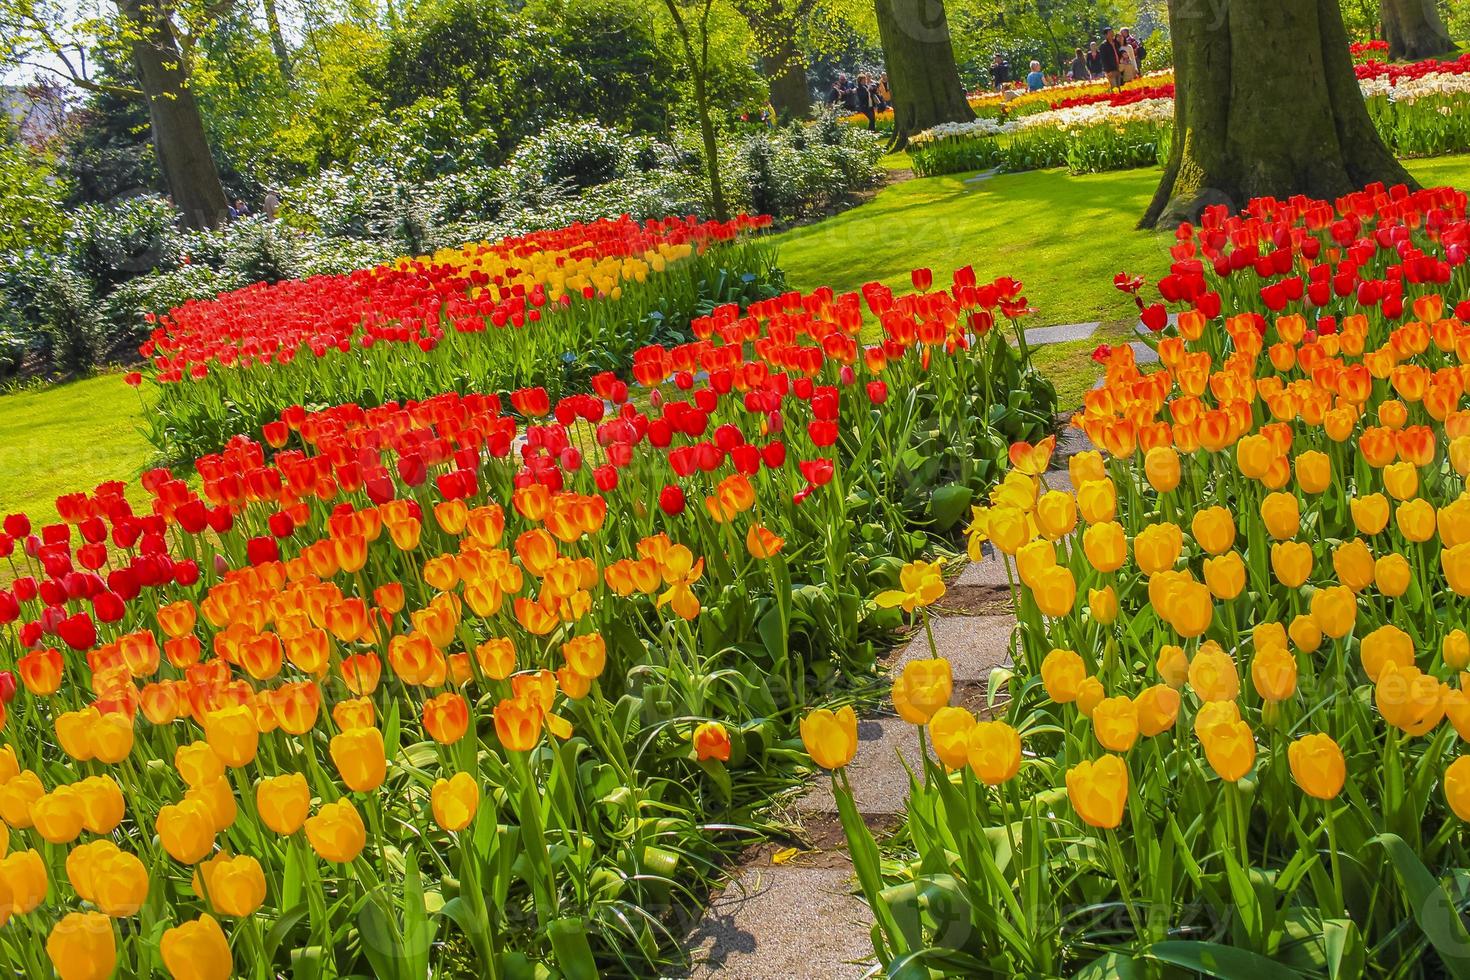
pixel 791 97
pixel 921 68
pixel 178 130
pixel 278 39
pixel 1414 29
pixel 774 25
pixel 1266 104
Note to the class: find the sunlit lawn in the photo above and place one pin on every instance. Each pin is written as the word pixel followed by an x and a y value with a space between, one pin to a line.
pixel 1063 236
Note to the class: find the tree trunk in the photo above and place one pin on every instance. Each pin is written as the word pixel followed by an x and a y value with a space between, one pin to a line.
pixel 921 68
pixel 1277 114
pixel 178 130
pixel 278 39
pixel 791 97
pixel 774 24
pixel 1414 30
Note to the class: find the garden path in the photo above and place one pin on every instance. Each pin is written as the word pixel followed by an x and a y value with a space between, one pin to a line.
pixel 796 915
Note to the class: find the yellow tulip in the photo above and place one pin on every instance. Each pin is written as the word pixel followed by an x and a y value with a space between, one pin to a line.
pixel 1317 765
pixel 1212 674
pixel 1098 791
pixel 1281 515
pixel 1335 610
pixel 359 756
pixel 1062 674
pixel 197 950
pixel 81 947
pixel 1158 709
pixel 1273 674
pixel 994 752
pixel 1457 786
pixel 830 736
pixel 454 801
pixel 949 731
pixel 1353 563
pixel 1214 530
pixel 336 832
pixel 923 687
pixel 1106 546
pixel 1225 575
pixel 1292 562
pixel 1161 467
pixel 1386 645
pixel 1230 748
pixel 1173 666
pixel 1115 723
pixel 283 802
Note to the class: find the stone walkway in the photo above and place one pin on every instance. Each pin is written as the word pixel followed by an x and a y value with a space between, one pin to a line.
pixel 803 918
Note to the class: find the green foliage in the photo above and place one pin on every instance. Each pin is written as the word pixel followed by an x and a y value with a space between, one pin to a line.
pixel 70 325
pixel 801 170
pixel 508 75
pixel 30 199
pixel 109 244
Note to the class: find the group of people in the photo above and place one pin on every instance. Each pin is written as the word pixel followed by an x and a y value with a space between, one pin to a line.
pixel 863 96
pixel 1118 57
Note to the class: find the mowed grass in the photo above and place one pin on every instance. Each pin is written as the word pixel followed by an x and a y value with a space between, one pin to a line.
pixel 66 438
pixel 1064 236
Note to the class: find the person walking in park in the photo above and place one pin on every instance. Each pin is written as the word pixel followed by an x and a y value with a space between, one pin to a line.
pixel 1128 39
pixel 1094 61
pixel 1127 63
pixel 863 97
pixel 1108 55
pixel 841 94
pixel 1078 67
pixel 1035 80
pixel 885 92
pixel 1000 71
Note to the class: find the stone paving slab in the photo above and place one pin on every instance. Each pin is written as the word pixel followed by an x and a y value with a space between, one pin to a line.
pixel 880 785
pixel 1143 353
pixel 987 574
pixel 785 922
pixel 974 645
pixel 982 176
pixel 1070 442
pixel 1061 333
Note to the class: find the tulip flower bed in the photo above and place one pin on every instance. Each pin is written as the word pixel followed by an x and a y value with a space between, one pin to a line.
pixel 438 688
pixel 547 309
pixel 1419 109
pixel 1233 739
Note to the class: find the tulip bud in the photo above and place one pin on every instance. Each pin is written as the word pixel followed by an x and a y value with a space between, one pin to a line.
pixel 197 950
pixel 993 750
pixel 454 801
pixel 1098 791
pixel 1317 765
pixel 830 737
pixel 81 947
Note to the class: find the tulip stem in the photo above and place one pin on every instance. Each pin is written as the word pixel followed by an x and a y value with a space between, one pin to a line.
pixel 1120 870
pixel 1333 858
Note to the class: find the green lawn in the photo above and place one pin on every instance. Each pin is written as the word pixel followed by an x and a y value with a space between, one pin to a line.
pixel 66 438
pixel 1063 236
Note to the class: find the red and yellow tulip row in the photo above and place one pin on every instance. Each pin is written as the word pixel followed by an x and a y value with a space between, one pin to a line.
pixel 435 669
pixel 488 316
pixel 1239 692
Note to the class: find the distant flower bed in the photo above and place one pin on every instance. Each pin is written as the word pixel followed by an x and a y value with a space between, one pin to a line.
pixel 1420 109
pixel 537 309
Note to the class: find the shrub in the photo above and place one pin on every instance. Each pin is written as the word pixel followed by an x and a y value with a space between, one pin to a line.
pixel 71 325
pixel 125 311
pixel 109 244
pixel 581 154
